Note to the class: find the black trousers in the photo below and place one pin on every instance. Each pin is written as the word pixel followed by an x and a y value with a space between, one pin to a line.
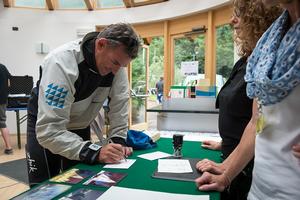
pixel 41 163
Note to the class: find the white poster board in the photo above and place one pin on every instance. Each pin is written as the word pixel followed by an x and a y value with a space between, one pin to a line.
pixel 189 68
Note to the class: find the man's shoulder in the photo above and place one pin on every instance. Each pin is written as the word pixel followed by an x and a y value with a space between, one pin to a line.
pixel 66 53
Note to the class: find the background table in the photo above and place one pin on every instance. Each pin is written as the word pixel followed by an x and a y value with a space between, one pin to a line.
pixel 187 114
pixel 139 174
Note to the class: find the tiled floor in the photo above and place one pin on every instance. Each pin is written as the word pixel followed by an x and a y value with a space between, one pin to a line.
pixel 10 187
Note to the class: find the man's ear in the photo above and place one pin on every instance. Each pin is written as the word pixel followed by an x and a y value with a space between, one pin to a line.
pixel 101 43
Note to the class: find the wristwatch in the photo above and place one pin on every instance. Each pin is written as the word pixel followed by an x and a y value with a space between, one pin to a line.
pixel 94 147
pixel 89 153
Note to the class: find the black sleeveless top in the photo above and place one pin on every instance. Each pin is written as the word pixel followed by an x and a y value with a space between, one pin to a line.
pixel 235 108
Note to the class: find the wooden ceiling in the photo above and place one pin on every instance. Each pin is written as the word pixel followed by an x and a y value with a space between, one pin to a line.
pixel 133 3
pixel 91 4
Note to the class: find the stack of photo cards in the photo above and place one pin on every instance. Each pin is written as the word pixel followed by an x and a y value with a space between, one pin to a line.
pixel 105 179
pixel 73 176
pixel 45 192
pixel 83 193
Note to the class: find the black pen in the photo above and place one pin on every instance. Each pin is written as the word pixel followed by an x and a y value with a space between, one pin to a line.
pixel 124 155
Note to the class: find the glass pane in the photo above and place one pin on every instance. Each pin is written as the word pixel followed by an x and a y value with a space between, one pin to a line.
pixel 72 4
pixel 188 49
pixel 110 3
pixel 225 50
pixel 30 3
pixel 156 69
pixel 137 109
pixel 138 85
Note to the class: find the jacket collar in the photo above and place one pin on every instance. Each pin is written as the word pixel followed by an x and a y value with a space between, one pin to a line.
pixel 88 50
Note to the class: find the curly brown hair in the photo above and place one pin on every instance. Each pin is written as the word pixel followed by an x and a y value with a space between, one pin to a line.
pixel 255 19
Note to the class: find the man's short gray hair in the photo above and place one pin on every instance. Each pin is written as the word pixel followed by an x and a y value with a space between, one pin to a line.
pixel 125 34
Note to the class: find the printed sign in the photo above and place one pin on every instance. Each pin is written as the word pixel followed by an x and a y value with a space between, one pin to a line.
pixel 189 68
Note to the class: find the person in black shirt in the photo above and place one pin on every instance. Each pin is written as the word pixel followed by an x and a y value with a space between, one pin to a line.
pixel 160 89
pixel 4 84
pixel 250 20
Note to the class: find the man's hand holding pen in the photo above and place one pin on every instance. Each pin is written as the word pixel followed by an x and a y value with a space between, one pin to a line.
pixel 113 153
pixel 127 152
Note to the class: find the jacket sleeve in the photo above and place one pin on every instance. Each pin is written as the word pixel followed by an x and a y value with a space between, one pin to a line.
pixel 56 95
pixel 118 107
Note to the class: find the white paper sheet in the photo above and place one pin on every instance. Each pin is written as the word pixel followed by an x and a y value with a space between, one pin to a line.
pixel 174 166
pixel 154 155
pixel 117 193
pixel 124 164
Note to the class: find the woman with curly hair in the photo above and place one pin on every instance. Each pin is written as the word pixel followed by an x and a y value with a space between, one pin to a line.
pixel 250 20
pixel 273 132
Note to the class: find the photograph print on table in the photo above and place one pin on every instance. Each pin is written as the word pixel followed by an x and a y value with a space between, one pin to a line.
pixel 45 192
pixel 105 179
pixel 82 193
pixel 73 176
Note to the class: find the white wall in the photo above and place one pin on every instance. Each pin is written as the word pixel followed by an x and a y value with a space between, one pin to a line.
pixel 17 48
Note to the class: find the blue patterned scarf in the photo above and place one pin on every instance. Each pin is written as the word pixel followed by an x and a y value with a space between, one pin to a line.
pixel 273 69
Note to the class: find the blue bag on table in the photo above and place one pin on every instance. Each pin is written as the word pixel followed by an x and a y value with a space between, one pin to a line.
pixel 139 140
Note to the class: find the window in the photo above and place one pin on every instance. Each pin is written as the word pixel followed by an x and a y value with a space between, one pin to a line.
pixel 71 4
pixel 156 69
pixel 225 50
pixel 110 3
pixel 190 48
pixel 30 4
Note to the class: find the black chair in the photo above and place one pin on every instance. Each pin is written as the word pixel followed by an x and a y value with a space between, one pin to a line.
pixel 19 91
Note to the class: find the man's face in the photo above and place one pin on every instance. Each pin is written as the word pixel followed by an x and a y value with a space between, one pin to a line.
pixel 109 59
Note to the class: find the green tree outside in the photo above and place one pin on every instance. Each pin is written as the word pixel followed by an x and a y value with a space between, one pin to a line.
pixel 225 50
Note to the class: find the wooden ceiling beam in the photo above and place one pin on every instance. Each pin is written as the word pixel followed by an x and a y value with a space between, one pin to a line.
pixel 50 4
pixel 148 2
pixel 128 3
pixel 7 3
pixel 89 4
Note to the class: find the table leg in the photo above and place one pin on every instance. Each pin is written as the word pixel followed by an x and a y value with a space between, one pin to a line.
pixel 18 128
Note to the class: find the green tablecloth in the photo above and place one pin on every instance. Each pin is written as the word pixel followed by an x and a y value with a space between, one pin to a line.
pixel 139 174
